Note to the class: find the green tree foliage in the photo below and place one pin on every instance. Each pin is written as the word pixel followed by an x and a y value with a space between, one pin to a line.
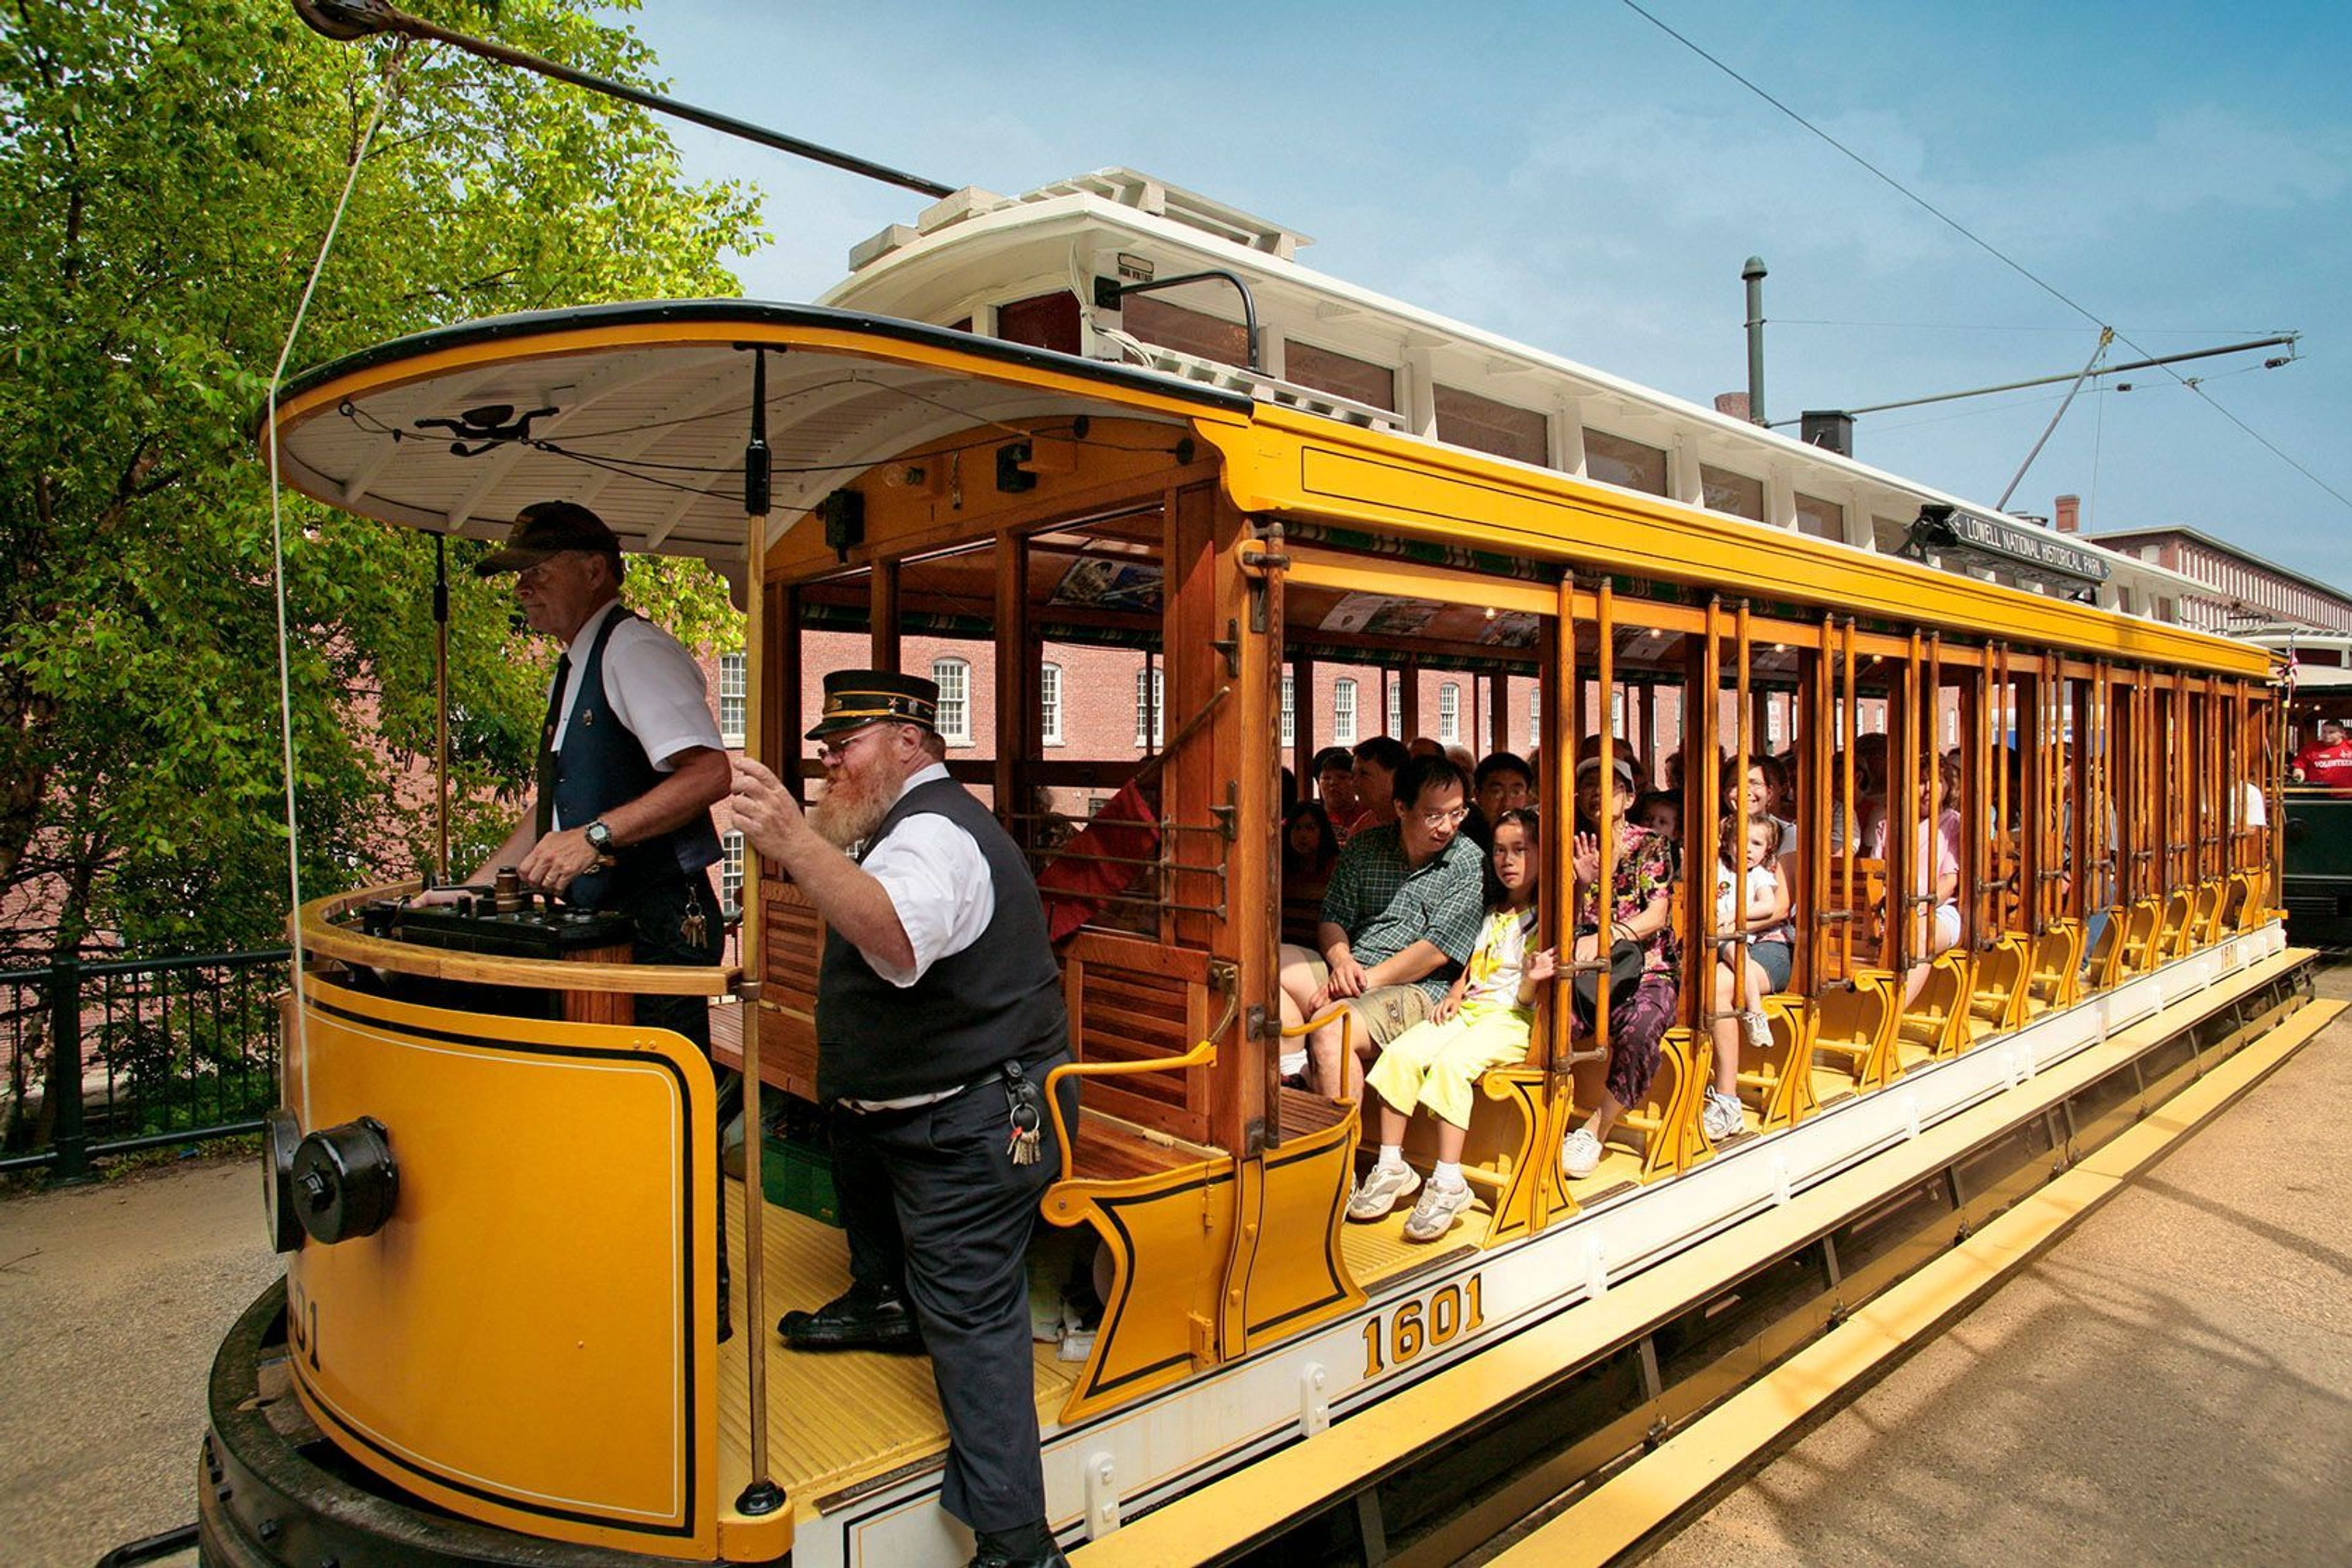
pixel 167 170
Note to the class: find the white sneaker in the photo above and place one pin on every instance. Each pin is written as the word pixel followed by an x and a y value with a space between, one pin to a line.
pixel 1760 1031
pixel 1433 1215
pixel 1382 1188
pixel 1580 1154
pixel 1722 1118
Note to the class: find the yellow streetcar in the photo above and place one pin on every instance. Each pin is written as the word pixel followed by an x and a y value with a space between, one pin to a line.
pixel 1115 431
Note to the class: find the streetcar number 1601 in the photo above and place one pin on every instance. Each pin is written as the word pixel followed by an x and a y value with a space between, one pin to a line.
pixel 1406 1329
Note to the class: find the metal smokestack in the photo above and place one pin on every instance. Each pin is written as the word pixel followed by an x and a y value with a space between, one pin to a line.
pixel 1752 274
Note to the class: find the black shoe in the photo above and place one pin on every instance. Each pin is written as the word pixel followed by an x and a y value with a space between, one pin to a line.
pixel 1027 1546
pixel 874 1318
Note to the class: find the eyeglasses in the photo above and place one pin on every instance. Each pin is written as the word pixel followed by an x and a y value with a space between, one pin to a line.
pixel 1442 818
pixel 833 753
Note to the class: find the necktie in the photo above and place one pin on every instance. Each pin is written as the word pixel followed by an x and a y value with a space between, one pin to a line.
pixel 546 809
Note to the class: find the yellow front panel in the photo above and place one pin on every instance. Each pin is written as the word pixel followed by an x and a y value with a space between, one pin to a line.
pixel 528 1339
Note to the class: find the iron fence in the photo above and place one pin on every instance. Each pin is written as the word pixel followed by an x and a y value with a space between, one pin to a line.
pixel 110 1058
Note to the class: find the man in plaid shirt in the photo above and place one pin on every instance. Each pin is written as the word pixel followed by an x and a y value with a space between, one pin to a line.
pixel 1400 919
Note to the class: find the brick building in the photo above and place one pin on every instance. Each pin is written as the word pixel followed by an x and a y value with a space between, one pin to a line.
pixel 2250 596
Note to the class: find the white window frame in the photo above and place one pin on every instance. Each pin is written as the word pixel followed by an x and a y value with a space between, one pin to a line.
pixel 734 693
pixel 1343 711
pixel 1150 707
pixel 1396 709
pixel 1449 713
pixel 953 678
pixel 730 872
pixel 1289 708
pixel 1049 704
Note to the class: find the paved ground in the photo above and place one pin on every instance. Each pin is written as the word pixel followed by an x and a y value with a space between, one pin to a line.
pixel 112 1299
pixel 2173 1383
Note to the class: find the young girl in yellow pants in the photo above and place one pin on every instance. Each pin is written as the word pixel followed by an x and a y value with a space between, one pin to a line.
pixel 1481 1023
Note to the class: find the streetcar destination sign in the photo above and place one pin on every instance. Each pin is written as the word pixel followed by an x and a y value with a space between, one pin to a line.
pixel 1990 542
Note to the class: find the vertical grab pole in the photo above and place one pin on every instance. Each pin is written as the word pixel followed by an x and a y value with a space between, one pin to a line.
pixel 1605 617
pixel 1741 763
pixel 1704 836
pixel 1934 754
pixel 1815 797
pixel 1849 723
pixel 2006 736
pixel 762 1496
pixel 1555 738
pixel 441 708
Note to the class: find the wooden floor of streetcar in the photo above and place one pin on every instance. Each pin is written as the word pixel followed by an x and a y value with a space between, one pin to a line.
pixel 835 1418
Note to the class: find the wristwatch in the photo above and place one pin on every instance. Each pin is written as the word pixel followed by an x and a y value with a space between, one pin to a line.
pixel 599 836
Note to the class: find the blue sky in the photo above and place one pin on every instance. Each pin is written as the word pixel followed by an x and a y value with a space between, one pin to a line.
pixel 1570 175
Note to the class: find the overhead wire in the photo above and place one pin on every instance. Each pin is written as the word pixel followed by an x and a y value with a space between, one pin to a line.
pixel 1973 238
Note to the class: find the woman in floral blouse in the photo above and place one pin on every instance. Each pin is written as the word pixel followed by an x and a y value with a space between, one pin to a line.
pixel 1641 910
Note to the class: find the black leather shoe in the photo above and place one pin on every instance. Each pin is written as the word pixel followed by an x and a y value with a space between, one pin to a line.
pixel 866 1318
pixel 1028 1546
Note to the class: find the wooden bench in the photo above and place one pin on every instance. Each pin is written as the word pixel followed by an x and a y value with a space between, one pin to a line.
pixel 1854 1027
pixel 2055 978
pixel 1777 1079
pixel 2137 949
pixel 1938 1017
pixel 2175 929
pixel 2002 989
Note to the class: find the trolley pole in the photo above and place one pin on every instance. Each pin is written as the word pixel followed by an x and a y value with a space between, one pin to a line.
pixel 1752 274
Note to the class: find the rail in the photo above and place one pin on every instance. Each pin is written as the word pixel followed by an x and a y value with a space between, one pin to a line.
pixel 1202 1055
pixel 112 1057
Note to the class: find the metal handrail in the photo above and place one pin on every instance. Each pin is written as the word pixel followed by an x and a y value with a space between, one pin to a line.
pixel 1202 1055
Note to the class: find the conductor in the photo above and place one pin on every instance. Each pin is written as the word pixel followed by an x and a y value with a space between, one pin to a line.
pixel 938 1014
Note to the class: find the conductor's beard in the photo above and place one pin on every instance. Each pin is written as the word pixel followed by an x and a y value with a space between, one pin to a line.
pixel 853 807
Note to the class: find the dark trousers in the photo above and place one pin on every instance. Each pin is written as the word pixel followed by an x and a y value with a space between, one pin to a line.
pixel 660 907
pixel 931 1196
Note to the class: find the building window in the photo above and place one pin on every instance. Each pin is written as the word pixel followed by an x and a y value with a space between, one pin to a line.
pixel 1150 730
pixel 733 685
pixel 1396 709
pixel 1049 704
pixel 731 874
pixel 1449 714
pixel 1289 709
pixel 1535 713
pixel 1343 712
pixel 954 678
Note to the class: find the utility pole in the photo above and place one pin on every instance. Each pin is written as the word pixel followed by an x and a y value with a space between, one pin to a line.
pixel 1752 274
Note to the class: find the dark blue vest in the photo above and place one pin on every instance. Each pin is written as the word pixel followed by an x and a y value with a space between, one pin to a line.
pixel 998 1000
pixel 602 765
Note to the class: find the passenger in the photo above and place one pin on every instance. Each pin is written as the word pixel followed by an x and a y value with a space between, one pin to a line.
pixel 1870 790
pixel 1588 791
pixel 1766 782
pixel 1289 791
pixel 1504 781
pixel 1662 814
pixel 2327 762
pixel 1750 898
pixel 1309 850
pixel 1423 746
pixel 1461 757
pixel 1482 1022
pixel 1399 916
pixel 1936 873
pixel 1674 771
pixel 1376 764
pixel 1643 953
pixel 1335 787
